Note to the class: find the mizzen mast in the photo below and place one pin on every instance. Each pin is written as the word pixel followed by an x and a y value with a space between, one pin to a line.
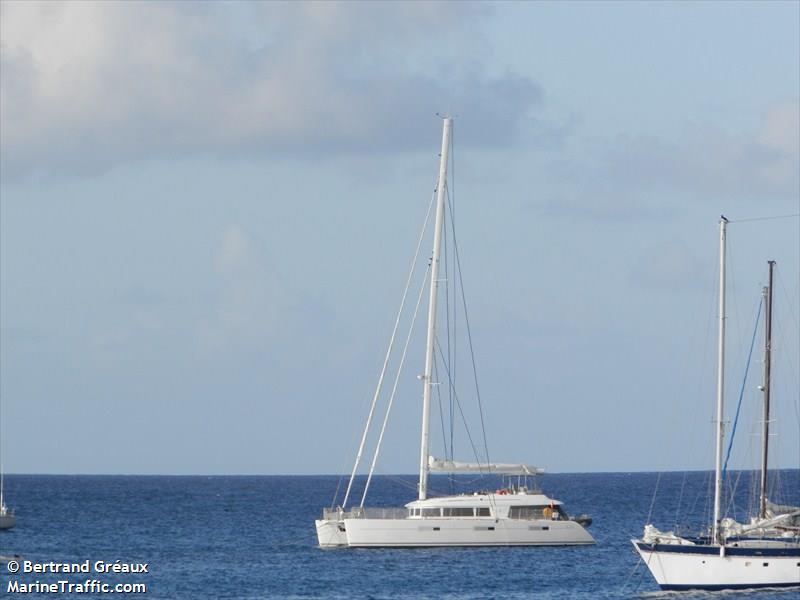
pixel 762 500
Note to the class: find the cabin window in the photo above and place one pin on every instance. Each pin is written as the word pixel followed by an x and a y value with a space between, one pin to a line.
pixel 526 512
pixel 458 511
pixel 483 511
pixel 537 512
pixel 431 512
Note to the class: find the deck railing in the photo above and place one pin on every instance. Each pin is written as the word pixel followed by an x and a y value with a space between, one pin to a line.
pixel 365 513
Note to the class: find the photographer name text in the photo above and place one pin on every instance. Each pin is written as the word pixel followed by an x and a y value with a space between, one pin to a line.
pixel 86 566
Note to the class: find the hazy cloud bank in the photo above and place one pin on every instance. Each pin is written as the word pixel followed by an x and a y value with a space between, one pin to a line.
pixel 631 176
pixel 89 85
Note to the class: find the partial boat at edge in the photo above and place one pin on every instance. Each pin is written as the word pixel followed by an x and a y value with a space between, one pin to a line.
pixel 763 553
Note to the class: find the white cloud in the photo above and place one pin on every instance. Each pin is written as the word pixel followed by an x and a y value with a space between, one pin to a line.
pixel 252 296
pixel 87 85
pixel 780 136
pixel 781 129
pixel 234 255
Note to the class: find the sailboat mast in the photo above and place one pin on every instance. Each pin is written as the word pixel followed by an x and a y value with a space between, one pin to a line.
pixel 427 382
pixel 719 424
pixel 762 500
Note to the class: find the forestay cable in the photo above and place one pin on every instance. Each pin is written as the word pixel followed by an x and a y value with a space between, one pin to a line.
pixel 386 360
pixel 394 387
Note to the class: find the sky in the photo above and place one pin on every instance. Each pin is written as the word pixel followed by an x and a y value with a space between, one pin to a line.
pixel 207 213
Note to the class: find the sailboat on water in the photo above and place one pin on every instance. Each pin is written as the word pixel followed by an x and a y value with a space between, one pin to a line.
pixel 7 517
pixel 762 553
pixel 516 514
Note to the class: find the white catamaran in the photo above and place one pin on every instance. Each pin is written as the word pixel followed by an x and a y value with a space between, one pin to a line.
pixel 513 515
pixel 763 553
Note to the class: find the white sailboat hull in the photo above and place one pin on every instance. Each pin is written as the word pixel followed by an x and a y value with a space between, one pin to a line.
pixel 705 567
pixel 7 521
pixel 412 533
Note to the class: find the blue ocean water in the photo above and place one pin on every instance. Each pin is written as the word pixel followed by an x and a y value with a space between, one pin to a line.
pixel 253 538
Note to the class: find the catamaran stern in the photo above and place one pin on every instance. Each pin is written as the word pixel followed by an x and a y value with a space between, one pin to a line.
pixel 331 533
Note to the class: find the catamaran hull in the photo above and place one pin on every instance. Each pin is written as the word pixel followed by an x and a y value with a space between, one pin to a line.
pixel 414 533
pixel 330 533
pixel 676 567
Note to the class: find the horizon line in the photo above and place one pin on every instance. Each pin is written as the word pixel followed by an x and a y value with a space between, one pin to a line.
pixel 410 475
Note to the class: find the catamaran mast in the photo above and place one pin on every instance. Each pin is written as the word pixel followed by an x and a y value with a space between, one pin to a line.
pixel 720 384
pixel 427 382
pixel 762 501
